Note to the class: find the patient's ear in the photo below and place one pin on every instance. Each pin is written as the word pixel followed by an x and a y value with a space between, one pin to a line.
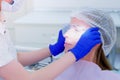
pixel 91 55
pixel 96 47
pixel 93 50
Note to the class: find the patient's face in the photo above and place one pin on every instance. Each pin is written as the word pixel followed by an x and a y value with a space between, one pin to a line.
pixel 77 28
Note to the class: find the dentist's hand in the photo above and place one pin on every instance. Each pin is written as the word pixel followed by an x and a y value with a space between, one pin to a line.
pixel 87 41
pixel 58 47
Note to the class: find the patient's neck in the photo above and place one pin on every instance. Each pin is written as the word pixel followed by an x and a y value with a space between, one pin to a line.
pixel 90 56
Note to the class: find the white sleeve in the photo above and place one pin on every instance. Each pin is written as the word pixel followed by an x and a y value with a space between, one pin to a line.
pixel 5 56
pixel 7 50
pixel 12 7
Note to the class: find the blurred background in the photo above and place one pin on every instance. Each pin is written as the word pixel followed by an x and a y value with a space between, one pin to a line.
pixel 35 25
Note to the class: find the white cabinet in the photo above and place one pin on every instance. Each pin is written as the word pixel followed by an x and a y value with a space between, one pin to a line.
pixel 35 35
pixel 39 29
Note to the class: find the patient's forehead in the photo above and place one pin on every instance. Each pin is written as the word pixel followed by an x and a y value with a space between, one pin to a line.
pixel 79 22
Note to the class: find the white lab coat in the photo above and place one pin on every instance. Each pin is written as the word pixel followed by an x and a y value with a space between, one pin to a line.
pixel 84 70
pixel 7 49
pixel 11 8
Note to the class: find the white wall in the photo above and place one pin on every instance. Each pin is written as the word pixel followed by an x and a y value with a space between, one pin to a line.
pixel 12 16
pixel 63 4
pixel 21 32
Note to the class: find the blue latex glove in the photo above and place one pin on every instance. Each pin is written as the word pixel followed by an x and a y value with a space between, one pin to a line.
pixel 87 41
pixel 58 47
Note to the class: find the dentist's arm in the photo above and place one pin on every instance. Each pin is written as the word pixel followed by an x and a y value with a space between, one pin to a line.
pixel 15 71
pixel 27 58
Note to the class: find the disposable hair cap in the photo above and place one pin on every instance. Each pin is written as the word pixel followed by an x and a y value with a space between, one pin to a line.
pixel 101 19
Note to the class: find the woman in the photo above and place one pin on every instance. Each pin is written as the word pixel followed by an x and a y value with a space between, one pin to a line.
pixel 94 66
pixel 11 63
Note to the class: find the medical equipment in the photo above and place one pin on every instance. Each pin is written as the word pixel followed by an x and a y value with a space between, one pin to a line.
pixel 74 31
pixel 102 20
pixel 66 27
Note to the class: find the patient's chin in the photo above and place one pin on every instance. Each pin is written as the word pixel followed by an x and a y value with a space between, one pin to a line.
pixel 67 49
